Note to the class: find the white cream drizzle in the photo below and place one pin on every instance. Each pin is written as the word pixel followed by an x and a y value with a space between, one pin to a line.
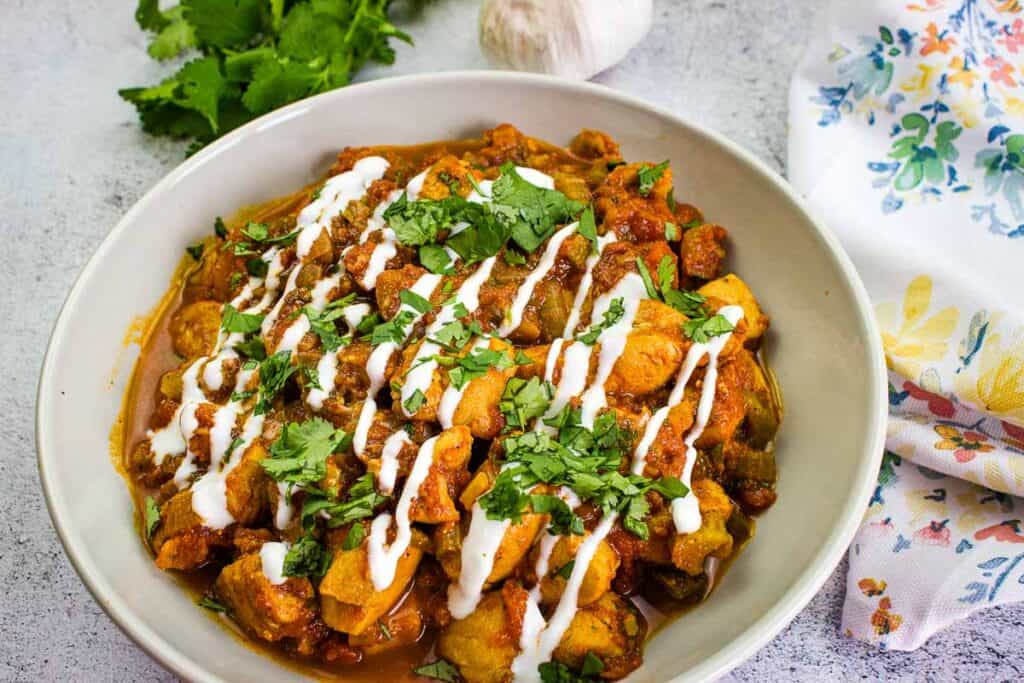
pixel 479 548
pixel 452 395
pixel 389 461
pixel 327 366
pixel 376 367
pixel 421 374
pixel 272 556
pixel 612 341
pixel 383 558
pixel 588 278
pixel 514 317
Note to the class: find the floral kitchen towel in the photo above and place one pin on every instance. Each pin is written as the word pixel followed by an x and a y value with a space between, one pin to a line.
pixel 907 137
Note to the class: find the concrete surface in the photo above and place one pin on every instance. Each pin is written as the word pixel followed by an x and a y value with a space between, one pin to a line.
pixel 73 160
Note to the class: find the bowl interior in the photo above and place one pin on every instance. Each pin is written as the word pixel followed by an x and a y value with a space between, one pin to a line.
pixel 822 349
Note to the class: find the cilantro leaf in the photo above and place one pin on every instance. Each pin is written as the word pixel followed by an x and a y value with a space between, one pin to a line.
pixel 415 301
pixel 361 500
pixel 394 330
pixel 563 520
pixel 475 364
pixel 671 232
pixel 414 402
pixel 588 226
pixel 322 323
pixel 530 212
pixel 612 316
pixel 243 323
pixel 701 330
pixel 440 670
pixel 307 558
pixel 274 373
pixel 645 275
pixel 354 537
pixel 434 258
pixel 195 251
pixel 647 176
pixel 224 23
pixel 212 605
pixel 252 348
pixel 524 400
pixel 152 516
pixel 299 456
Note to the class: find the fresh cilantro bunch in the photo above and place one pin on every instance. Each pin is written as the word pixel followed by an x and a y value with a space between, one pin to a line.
pixel 254 56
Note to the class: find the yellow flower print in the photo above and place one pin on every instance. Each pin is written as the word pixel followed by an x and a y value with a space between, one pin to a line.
pixel 997 386
pixel 1014 105
pixel 920 83
pixel 1011 6
pixel 960 74
pixel 915 340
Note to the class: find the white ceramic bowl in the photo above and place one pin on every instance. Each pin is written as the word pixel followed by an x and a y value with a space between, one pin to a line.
pixel 823 347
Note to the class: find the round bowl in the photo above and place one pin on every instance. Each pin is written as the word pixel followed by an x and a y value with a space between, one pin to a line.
pixel 823 347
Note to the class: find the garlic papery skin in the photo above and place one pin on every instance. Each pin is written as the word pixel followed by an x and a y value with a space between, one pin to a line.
pixel 570 38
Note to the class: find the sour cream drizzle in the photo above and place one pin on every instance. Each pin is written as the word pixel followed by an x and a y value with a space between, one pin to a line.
pixel 479 548
pixel 420 377
pixel 376 367
pixel 383 558
pixel 525 291
pixel 612 340
pixel 272 561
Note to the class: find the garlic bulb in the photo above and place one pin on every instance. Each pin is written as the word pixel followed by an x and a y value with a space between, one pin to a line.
pixel 569 38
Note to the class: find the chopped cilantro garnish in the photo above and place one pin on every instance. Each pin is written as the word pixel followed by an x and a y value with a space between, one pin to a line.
pixel 417 222
pixel 361 500
pixel 592 665
pixel 385 631
pixel 524 400
pixel 260 232
pixel 645 275
pixel 531 212
pixel 434 258
pixel 219 228
pixel 393 330
pixel 440 670
pixel 152 516
pixel 647 176
pixel 565 571
pixel 614 314
pixel 252 348
pixel 354 537
pixel 212 605
pixel 475 364
pixel 414 402
pixel 701 330
pixel 299 456
pixel 243 323
pixel 368 323
pixel 195 251
pixel 513 257
pixel 322 323
pixel 274 372
pixel 588 226
pixel 563 520
pixel 256 267
pixel 306 558
pixel 671 231
pixel 414 301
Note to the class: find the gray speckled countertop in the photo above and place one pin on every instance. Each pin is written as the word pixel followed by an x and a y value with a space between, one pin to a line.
pixel 73 160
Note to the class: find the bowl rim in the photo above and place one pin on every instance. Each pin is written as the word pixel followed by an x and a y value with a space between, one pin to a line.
pixel 777 617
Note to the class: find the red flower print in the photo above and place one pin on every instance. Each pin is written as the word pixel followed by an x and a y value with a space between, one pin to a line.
pixel 1014 435
pixel 936 533
pixel 939 405
pixel 1005 532
pixel 1014 39
pixel 1001 70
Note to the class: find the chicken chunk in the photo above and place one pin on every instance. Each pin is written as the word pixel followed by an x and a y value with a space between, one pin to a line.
pixel 267 611
pixel 596 582
pixel 712 539
pixel 182 541
pixel 348 600
pixel 732 290
pixel 702 251
pixel 194 328
pixel 483 644
pixel 611 629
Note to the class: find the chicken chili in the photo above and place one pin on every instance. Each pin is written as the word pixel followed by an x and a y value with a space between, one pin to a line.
pixel 485 410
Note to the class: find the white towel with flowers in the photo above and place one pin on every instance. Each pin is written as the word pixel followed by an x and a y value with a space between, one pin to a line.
pixel 907 137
